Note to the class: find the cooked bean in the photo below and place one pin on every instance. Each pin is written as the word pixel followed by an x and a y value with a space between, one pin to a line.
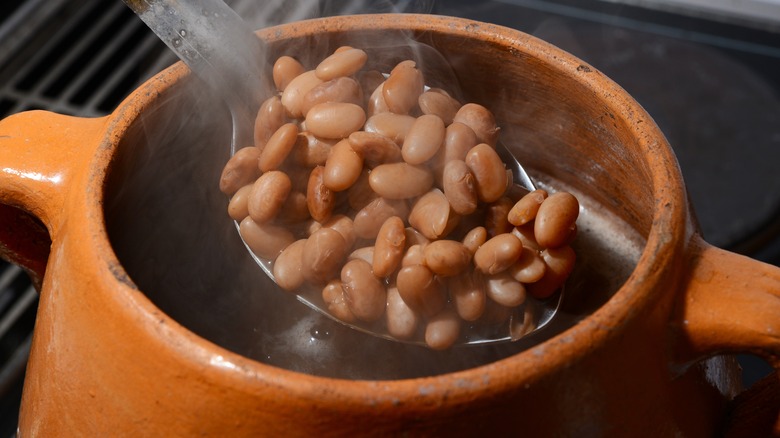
pixel 370 218
pixel 526 235
pixel 442 330
pixel 341 63
pixel 333 295
pixel 414 237
pixel 560 263
pixel 403 87
pixel 278 147
pixel 366 296
pixel 431 215
pixel 481 120
pixel 365 253
pixel 415 255
pixel 475 238
pixel 345 90
pixel 498 253
pixel 237 208
pixel 344 225
pixel 440 104
pixel 375 148
pixel 265 240
pixel 393 126
pixel 292 97
pixel 529 268
pixel 285 70
pixel 522 321
pixel 268 195
pixel 294 210
pixel 335 119
pixel 467 290
pixel 360 193
pixel 376 101
pixel 423 140
pixel 495 217
pixel 420 290
pixel 401 320
pixel 320 200
pixel 460 187
pixel 555 219
pixel 287 267
pixel 489 172
pixel 311 151
pixel 323 255
pixel 389 246
pixel 525 209
pixel 504 289
pixel 400 180
pixel 447 257
pixel 240 170
pixel 270 117
pixel 343 167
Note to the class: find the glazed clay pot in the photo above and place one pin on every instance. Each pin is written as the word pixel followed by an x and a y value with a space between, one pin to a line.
pixel 107 359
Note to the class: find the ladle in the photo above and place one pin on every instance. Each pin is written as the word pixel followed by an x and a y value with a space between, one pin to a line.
pixel 220 49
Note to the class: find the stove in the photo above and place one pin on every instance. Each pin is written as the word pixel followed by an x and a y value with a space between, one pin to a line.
pixel 709 77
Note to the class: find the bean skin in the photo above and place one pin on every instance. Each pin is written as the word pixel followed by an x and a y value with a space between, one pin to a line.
pixel 369 220
pixel 278 147
pixel 414 256
pixel 498 254
pixel 365 253
pixel 526 235
pixel 447 257
pixel 431 215
pixel 475 238
pixel 323 255
pixel 270 117
pixel 268 195
pixel 560 263
pixel 238 207
pixel 287 267
pixel 402 321
pixel 525 209
pixel 460 187
pixel 403 88
pixel 439 104
pixel 265 240
pixel 344 225
pixel 489 172
pixel 556 219
pixel 529 268
pixel 335 119
pixel 285 70
pixel 481 120
pixel 343 167
pixel 442 330
pixel 400 180
pixel 341 63
pixel 376 101
pixel 366 296
pixel 495 217
pixel 420 290
pixel 505 290
pixel 320 200
pixel 240 170
pixel 423 140
pixel 392 126
pixel 389 247
pixel 468 294
pixel 342 89
pixel 311 151
pixel 375 148
pixel 333 295
pixel 292 96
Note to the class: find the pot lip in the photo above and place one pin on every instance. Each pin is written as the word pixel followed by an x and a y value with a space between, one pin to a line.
pixel 665 238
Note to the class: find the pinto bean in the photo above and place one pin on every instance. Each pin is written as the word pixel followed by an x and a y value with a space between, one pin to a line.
pixel 320 200
pixel 376 101
pixel 365 295
pixel 393 126
pixel 525 209
pixel 294 209
pixel 440 104
pixel 460 187
pixel 529 268
pixel 475 238
pixel 323 255
pixel 403 87
pixel 311 151
pixel 495 217
pixel 560 263
pixel 292 96
pixel 342 89
pixel 369 220
pixel 447 257
pixel 400 180
pixel 504 289
pixel 343 167
pixel 333 295
pixel 431 215
pixel 423 140
pixel 415 255
pixel 375 148
pixel 268 195
pixel 402 321
pixel 240 170
pixel 442 330
pixel 498 254
pixel 481 120
pixel 287 267
pixel 265 240
pixel 335 119
pixel 467 290
pixel 389 247
pixel 365 253
pixel 344 225
pixel 278 147
pixel 556 219
pixel 489 172
pixel 237 208
pixel 270 117
pixel 285 69
pixel 341 63
pixel 420 290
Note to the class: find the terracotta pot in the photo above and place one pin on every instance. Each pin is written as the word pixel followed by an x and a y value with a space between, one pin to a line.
pixel 107 360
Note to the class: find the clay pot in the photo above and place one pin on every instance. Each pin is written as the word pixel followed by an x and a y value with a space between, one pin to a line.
pixel 108 359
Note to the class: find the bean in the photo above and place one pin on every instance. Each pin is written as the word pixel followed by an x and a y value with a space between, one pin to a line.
pixel 414 237
pixel 431 215
pixel 344 225
pixel 475 238
pixel 278 147
pixel 420 290
pixel 467 290
pixel 525 209
pixel 237 208
pixel 366 296
pixel 481 120
pixel 414 256
pixel 341 63
pixel 393 126
pixel 489 172
pixel 287 267
pixel 285 70
pixel 365 253
pixel 333 295
pixel 343 167
pixel 556 219
pixel 270 117
pixel 265 240
pixel 442 330
pixel 375 148
pixel 268 195
pixel 376 101
pixel 320 200
pixel 522 322
pixel 360 193
pixel 240 170
pixel 401 320
pixel 292 96
pixel 440 104
pixel 345 90
pixel 460 187
pixel 335 119
pixel 311 151
pixel 526 235
pixel 447 257
pixel 560 263
pixel 323 255
pixel 423 140
pixel 529 268
pixel 498 253
pixel 294 210
pixel 400 180
pixel 389 247
pixel 403 87
pixel 495 217
pixel 504 289
pixel 370 218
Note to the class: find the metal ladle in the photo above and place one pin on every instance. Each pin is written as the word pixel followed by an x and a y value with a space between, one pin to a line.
pixel 220 49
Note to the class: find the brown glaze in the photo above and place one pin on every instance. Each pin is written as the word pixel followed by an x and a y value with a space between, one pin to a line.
pixel 106 361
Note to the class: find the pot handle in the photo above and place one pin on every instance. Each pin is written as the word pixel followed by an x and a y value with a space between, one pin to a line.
pixel 41 153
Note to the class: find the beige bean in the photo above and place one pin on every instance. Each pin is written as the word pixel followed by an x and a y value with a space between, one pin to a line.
pixel 370 218
pixel 240 170
pixel 292 96
pixel 268 195
pixel 294 210
pixel 285 70
pixel 343 167
pixel 498 253
pixel 414 256
pixel 265 240
pixel 442 330
pixel 335 119
pixel 287 267
pixel 526 235
pixel 458 140
pixel 341 63
pixel 360 193
pixel 504 289
pixel 311 151
pixel 375 148
pixel 403 87
pixel 489 172
pixel 400 180
pixel 555 219
pixel 421 290
pixel 481 120
pixel 460 187
pixel 345 90
pixel 366 296
pixel 475 238
pixel 237 207
pixel 376 101
pixel 423 140
pixel 365 253
pixel 320 200
pixel 270 117
pixel 529 268
pixel 467 290
pixel 278 147
pixel 344 225
pixel 392 126
pixel 432 216
pixel 522 321
pixel 400 318
pixel 414 237
pixel 560 263
pixel 447 258
pixel 495 217
pixel 389 247
pixel 525 209
pixel 440 104
pixel 333 295
pixel 323 255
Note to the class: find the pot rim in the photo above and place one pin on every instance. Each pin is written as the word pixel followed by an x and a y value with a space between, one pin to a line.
pixel 665 239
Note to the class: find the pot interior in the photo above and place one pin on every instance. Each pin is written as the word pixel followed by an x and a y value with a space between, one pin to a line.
pixel 167 220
